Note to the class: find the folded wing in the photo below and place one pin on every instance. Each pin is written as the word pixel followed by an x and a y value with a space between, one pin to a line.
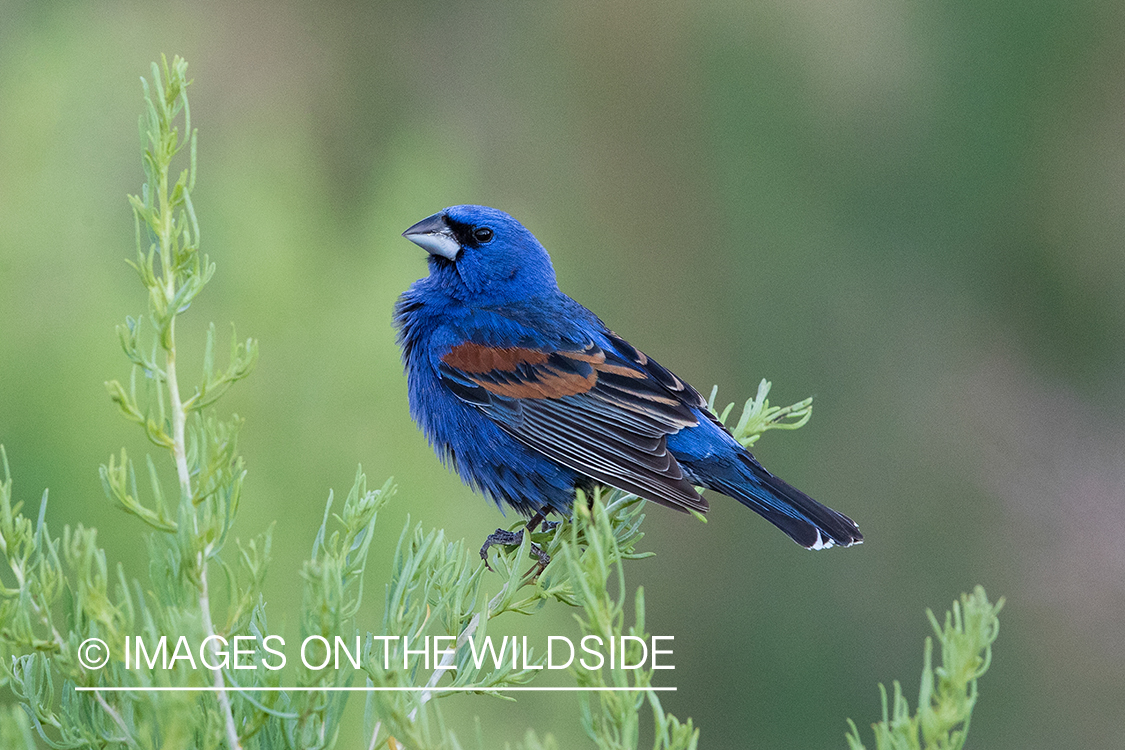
pixel 604 413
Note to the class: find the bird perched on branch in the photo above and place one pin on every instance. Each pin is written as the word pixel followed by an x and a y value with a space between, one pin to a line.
pixel 529 396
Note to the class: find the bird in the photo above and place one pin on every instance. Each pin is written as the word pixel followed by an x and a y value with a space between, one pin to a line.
pixel 530 397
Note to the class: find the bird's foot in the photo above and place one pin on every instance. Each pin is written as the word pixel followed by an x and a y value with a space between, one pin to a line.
pixel 514 538
pixel 503 538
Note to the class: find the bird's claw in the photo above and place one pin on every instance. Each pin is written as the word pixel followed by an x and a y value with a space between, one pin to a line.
pixel 513 538
pixel 501 537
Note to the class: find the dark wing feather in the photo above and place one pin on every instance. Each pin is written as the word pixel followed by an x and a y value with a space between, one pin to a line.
pixel 604 413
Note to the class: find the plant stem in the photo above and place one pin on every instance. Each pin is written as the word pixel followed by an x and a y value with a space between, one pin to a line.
pixel 217 674
pixel 179 444
pixel 127 737
pixel 447 660
pixel 375 734
pixel 167 262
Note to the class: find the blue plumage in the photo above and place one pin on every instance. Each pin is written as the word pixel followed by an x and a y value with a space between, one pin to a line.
pixel 528 396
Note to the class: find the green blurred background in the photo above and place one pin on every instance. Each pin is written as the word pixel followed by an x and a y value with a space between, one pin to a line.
pixel 913 211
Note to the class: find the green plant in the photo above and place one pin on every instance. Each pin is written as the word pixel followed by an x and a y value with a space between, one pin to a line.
pixel 176 641
pixel 949 692
pixel 59 592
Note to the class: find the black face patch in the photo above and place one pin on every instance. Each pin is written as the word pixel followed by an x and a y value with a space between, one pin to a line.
pixel 462 232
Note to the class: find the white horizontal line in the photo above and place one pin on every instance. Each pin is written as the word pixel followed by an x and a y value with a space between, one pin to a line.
pixel 351 689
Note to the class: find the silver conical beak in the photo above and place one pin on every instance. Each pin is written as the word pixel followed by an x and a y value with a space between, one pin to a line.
pixel 433 235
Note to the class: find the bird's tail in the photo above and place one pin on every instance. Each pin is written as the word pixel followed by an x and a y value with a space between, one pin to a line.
pixel 807 522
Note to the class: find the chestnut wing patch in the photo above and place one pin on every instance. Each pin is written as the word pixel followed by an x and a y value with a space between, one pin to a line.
pixel 525 373
pixel 600 413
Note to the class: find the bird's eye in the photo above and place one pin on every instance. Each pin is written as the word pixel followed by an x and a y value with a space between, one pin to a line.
pixel 482 234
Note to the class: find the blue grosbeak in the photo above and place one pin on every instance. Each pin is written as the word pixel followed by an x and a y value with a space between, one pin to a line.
pixel 528 395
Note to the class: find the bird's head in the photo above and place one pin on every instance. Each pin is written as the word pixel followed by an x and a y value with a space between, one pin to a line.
pixel 476 249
